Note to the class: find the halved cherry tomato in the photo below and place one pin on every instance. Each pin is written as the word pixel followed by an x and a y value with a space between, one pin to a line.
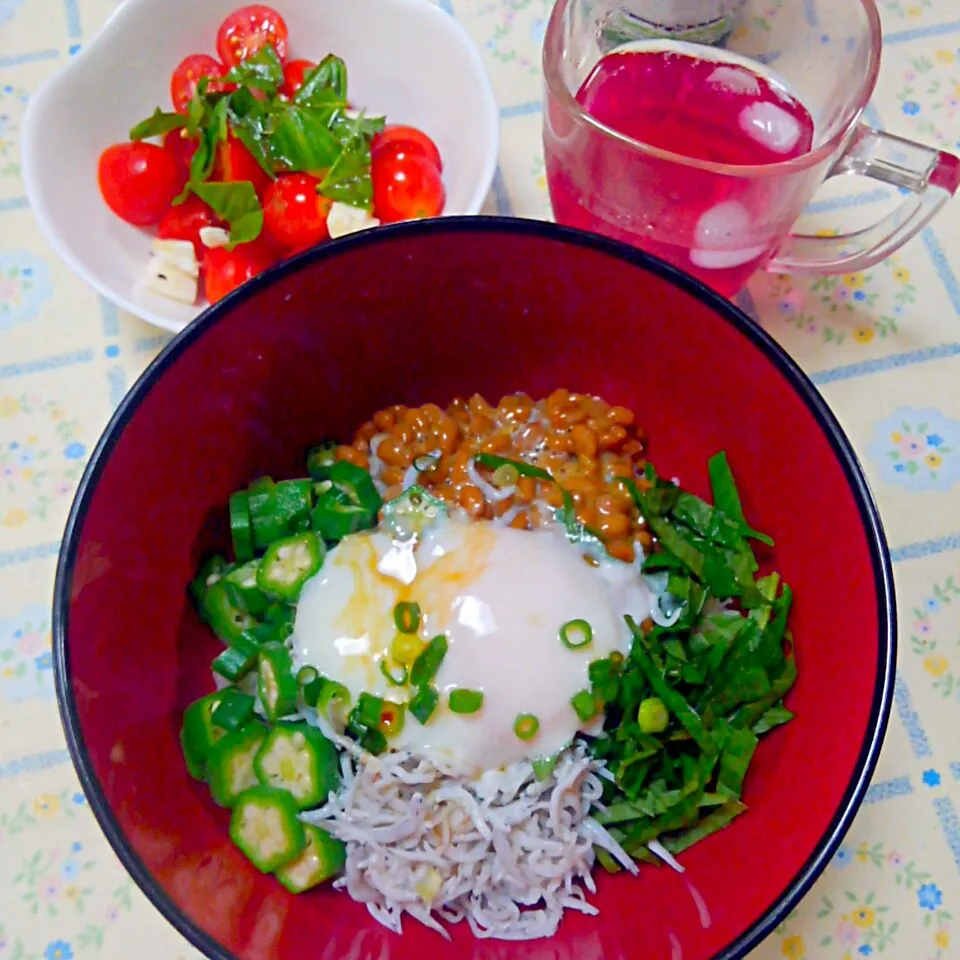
pixel 235 162
pixel 406 185
pixel 293 76
pixel 248 30
pixel 187 76
pixel 186 221
pixel 416 140
pixel 139 181
pixel 183 148
pixel 224 270
pixel 294 214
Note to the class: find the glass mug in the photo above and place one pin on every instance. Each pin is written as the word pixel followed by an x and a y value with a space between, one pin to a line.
pixel 715 220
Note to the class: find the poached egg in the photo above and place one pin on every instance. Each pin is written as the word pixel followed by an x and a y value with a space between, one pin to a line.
pixel 501 597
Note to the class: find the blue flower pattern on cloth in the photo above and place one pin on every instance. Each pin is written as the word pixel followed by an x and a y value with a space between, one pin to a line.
pixel 25 284
pixel 929 896
pixel 917 449
pixel 26 663
pixel 58 950
pixel 842 858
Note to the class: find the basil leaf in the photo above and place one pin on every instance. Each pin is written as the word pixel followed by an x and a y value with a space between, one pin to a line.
pixel 774 717
pixel 726 497
pixel 199 111
pixel 329 76
pixel 682 814
pixel 263 71
pixel 300 140
pixel 250 123
pixel 711 823
pixel 157 125
pixel 348 180
pixel 681 546
pixel 672 700
pixel 237 204
pixel 709 523
pixel 345 127
pixel 750 713
pixel 662 561
pixel 739 746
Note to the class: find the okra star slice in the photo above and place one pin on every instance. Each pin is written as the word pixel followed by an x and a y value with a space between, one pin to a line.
pixel 241 581
pixel 223 610
pixel 235 709
pixel 238 659
pixel 300 760
pixel 230 765
pixel 288 564
pixel 277 683
pixel 323 858
pixel 241 529
pixel 200 734
pixel 265 826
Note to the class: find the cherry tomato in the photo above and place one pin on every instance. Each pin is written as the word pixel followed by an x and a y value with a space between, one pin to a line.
pixel 294 214
pixel 293 76
pixel 186 221
pixel 235 162
pixel 187 76
pixel 138 181
pixel 416 140
pixel 181 147
pixel 406 185
pixel 248 30
pixel 224 270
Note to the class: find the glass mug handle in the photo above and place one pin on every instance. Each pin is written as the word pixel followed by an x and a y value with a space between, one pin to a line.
pixel 931 177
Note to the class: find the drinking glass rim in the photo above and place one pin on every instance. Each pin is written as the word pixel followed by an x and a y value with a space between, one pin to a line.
pixel 553 54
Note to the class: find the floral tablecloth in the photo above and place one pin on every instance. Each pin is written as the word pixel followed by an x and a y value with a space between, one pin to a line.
pixel 884 347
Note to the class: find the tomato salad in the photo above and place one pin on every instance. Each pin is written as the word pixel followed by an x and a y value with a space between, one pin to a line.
pixel 261 157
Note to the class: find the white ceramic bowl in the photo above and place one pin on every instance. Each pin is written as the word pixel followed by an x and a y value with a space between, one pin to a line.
pixel 405 58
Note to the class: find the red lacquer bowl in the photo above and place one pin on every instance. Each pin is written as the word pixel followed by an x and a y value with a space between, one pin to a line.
pixel 424 312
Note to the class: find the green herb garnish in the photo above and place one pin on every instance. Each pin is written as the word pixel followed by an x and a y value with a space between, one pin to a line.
pixel 684 711
pixel 310 133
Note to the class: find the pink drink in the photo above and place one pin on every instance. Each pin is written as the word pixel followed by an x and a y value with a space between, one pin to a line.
pixel 665 94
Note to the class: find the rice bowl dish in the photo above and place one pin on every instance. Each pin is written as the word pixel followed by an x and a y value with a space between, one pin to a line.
pixel 479 650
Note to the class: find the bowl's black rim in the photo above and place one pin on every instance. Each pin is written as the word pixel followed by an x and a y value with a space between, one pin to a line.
pixel 784 901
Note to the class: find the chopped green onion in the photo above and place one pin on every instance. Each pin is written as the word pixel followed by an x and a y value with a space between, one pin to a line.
pixel 396 679
pixel 368 710
pixel 306 675
pixel 543 767
pixel 425 667
pixel 585 705
pixel 333 693
pixel 406 616
pixel 391 718
pixel 526 726
pixel 424 702
pixel 465 701
pixel 406 648
pixel 311 685
pixel 652 716
pixel 492 462
pixel 506 475
pixel 575 634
